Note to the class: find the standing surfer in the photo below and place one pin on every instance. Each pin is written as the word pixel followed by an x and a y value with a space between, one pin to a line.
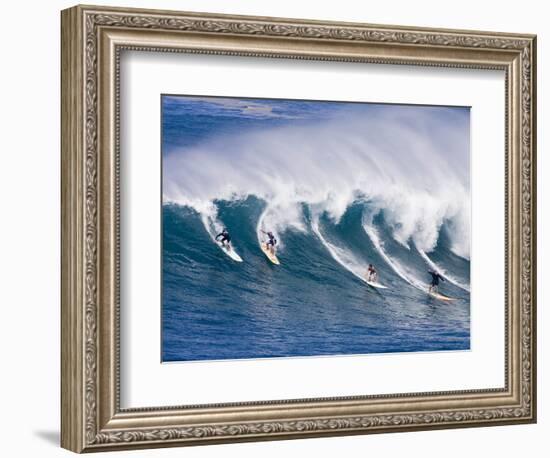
pixel 372 274
pixel 435 280
pixel 224 238
pixel 270 244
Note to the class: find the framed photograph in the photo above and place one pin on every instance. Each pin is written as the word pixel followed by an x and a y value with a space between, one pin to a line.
pixel 277 228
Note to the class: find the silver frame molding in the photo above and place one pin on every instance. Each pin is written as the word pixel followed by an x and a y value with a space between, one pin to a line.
pixel 92 40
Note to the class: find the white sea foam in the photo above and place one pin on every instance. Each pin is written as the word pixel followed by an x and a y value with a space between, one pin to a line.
pixel 341 255
pixel 414 168
pixel 393 263
pixel 212 225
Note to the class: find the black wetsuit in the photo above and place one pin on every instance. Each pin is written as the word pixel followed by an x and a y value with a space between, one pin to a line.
pixel 272 240
pixel 435 277
pixel 225 237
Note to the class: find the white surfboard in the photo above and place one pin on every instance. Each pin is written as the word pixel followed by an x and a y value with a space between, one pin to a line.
pixel 230 252
pixel 375 285
pixel 269 254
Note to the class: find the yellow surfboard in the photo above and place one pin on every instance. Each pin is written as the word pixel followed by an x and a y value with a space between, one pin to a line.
pixel 269 254
pixel 441 297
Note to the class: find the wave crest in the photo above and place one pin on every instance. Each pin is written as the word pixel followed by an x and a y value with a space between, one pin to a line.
pixel 406 167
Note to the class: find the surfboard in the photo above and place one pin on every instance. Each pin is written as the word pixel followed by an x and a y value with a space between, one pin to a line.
pixel 269 254
pixel 375 285
pixel 441 296
pixel 230 252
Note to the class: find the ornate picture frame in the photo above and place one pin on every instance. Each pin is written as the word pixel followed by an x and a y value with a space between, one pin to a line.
pixel 93 39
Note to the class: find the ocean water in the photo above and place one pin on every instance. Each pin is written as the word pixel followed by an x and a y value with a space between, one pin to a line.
pixel 339 194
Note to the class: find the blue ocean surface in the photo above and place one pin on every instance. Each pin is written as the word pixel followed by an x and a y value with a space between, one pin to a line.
pixel 254 165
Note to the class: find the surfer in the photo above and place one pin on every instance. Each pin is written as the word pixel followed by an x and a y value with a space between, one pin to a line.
pixel 224 238
pixel 270 244
pixel 435 280
pixel 372 274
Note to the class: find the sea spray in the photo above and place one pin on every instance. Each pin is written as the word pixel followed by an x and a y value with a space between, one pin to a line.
pixel 396 161
pixel 394 264
pixel 341 255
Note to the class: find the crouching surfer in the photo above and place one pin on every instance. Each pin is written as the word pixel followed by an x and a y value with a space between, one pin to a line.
pixel 372 274
pixel 224 238
pixel 271 242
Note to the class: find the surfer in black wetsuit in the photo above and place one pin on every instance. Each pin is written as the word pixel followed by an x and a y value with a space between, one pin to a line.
pixel 372 275
pixel 224 238
pixel 270 244
pixel 435 280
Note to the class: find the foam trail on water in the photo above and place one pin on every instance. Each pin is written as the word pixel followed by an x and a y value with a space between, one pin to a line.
pixel 261 227
pixel 442 271
pixel 209 217
pixel 397 268
pixel 340 255
pixel 212 225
